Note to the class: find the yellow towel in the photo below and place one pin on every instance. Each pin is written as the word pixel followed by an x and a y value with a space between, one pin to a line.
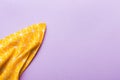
pixel 18 49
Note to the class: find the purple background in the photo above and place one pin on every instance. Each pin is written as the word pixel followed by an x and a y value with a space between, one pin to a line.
pixel 82 41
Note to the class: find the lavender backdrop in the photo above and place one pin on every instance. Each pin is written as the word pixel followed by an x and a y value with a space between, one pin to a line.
pixel 82 41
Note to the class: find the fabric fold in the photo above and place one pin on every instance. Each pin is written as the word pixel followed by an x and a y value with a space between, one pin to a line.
pixel 18 49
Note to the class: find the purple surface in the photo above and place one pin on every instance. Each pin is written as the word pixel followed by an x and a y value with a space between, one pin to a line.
pixel 82 41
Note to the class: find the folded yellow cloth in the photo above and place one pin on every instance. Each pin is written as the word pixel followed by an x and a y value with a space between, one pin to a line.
pixel 18 49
